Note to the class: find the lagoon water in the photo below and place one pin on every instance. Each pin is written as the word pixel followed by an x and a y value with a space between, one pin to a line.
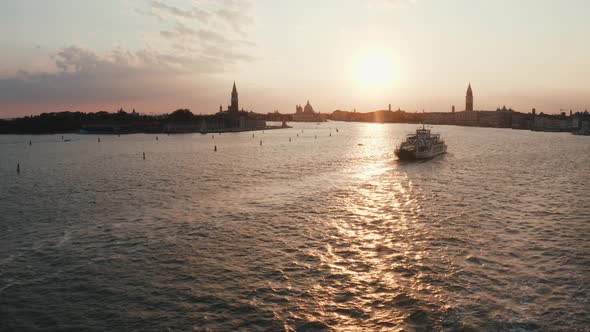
pixel 326 233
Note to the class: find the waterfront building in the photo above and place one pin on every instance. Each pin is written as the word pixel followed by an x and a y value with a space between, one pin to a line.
pixel 581 123
pixel 306 114
pixel 439 118
pixel 339 115
pixel 522 120
pixel 500 118
pixel 545 122
pixel 236 119
pixel 584 128
pixel 466 118
pixel 232 119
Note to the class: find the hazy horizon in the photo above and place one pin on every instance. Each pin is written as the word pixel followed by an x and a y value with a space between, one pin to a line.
pixel 156 56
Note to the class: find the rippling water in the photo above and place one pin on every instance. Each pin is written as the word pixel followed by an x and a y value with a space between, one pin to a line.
pixel 326 233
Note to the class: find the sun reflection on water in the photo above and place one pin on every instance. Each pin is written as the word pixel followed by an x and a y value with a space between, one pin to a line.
pixel 371 254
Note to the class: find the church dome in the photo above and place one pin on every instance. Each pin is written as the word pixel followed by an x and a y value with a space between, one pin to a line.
pixel 308 108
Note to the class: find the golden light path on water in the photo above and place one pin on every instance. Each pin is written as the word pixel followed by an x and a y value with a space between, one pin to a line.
pixel 315 230
pixel 374 238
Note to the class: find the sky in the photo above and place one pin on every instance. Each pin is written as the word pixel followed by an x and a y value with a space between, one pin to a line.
pixel 156 56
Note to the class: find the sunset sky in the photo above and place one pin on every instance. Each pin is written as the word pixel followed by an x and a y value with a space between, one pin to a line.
pixel 157 56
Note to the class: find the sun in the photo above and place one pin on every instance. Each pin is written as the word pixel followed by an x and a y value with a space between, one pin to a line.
pixel 374 70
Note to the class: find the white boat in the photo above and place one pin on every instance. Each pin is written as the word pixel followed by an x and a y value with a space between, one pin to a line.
pixel 421 145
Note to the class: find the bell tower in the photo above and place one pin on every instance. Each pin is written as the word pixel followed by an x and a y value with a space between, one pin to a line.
pixel 234 99
pixel 469 99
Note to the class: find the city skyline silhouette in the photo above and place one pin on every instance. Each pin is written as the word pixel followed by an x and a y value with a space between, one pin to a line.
pixel 156 57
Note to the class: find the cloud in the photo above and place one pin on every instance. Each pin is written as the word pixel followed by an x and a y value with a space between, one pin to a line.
pixel 235 19
pixel 207 38
pixel 220 15
pixel 165 9
pixel 204 36
pixel 84 76
pixel 206 29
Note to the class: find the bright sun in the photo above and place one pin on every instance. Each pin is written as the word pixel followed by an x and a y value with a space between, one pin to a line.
pixel 375 70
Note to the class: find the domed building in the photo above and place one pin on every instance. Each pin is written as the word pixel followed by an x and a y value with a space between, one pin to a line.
pixel 306 114
pixel 308 108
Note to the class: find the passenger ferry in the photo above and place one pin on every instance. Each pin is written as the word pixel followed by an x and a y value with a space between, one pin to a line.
pixel 421 145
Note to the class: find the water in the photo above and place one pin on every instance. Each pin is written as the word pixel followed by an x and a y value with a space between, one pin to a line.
pixel 317 234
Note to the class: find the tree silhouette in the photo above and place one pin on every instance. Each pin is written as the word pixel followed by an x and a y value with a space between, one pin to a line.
pixel 181 114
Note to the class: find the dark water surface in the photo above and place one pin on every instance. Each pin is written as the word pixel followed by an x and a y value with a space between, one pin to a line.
pixel 318 234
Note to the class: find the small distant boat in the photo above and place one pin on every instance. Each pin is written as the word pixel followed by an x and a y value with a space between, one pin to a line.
pixel 421 145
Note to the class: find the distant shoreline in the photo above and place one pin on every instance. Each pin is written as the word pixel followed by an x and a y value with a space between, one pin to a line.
pixel 78 132
pixel 183 121
pixel 121 122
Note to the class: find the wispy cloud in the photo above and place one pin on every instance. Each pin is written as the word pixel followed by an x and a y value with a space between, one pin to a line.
pixel 164 9
pixel 224 23
pixel 204 26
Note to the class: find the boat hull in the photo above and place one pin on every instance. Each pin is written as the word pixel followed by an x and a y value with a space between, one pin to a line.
pixel 405 155
pixel 419 155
